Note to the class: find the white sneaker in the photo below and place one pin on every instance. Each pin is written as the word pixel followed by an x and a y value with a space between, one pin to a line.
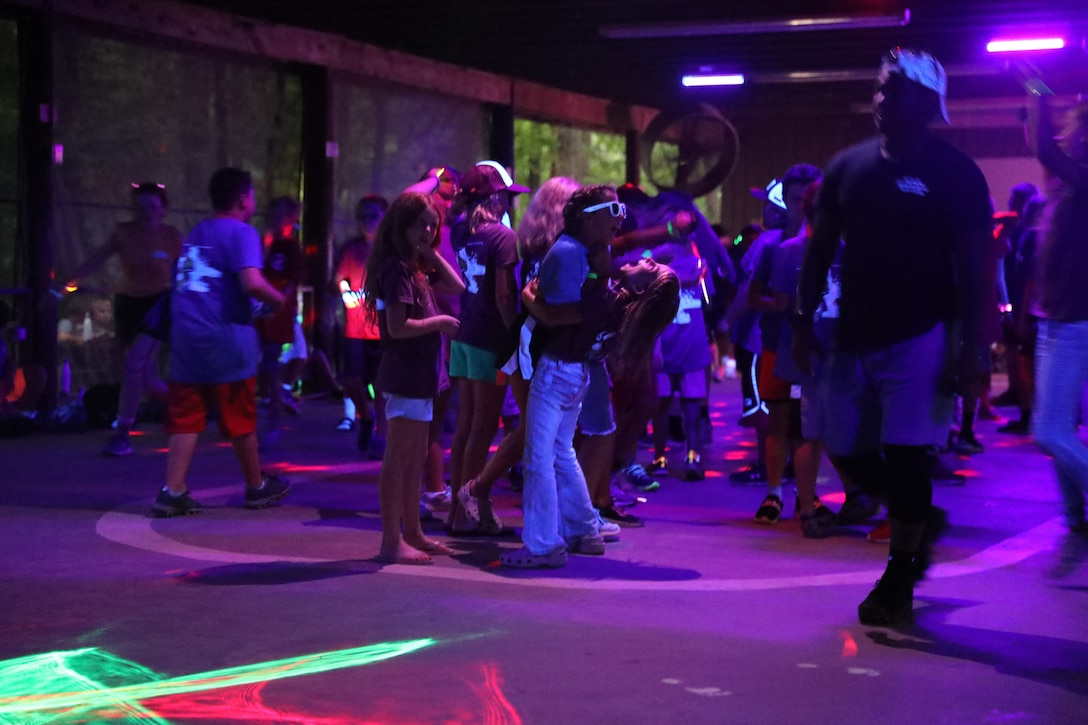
pixel 437 500
pixel 609 531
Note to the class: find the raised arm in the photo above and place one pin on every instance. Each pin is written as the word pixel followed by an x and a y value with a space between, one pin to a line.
pixel 445 279
pixel 1046 148
pixel 91 264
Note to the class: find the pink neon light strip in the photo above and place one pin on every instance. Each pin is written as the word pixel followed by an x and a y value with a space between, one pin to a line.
pixel 1006 46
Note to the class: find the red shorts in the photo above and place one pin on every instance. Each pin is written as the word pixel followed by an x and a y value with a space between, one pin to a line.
pixel 188 405
pixel 772 388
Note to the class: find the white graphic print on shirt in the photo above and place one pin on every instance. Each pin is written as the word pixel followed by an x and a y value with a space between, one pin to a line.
pixel 689 300
pixel 471 270
pixel 193 270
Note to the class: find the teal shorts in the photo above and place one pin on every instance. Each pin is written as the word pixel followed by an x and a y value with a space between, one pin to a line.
pixel 473 363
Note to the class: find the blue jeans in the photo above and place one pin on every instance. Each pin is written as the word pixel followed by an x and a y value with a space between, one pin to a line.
pixel 556 500
pixel 1061 371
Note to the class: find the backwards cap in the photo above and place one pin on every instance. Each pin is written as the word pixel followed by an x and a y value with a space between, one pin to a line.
pixel 487 177
pixel 772 194
pixel 920 67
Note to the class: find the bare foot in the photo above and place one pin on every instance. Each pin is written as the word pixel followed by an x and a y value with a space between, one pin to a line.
pixel 430 546
pixel 403 554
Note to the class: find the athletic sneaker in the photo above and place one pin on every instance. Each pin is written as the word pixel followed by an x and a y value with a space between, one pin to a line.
pixel 608 530
pixel 636 475
pixel 817 506
pixel 693 467
pixel 620 517
pixel 436 500
pixel 857 508
pixel 273 488
pixel 881 533
pixel 752 474
pixel 118 445
pixel 817 526
pixel 968 445
pixel 345 424
pixel 167 504
pixel 770 511
pixel 659 465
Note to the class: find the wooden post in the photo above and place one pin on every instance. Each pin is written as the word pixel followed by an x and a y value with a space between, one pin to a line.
pixel 36 108
pixel 501 143
pixel 319 151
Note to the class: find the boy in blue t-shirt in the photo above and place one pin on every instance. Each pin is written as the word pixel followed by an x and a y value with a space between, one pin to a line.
pixel 214 349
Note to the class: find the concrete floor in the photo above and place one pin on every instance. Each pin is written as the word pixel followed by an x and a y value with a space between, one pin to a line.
pixel 703 616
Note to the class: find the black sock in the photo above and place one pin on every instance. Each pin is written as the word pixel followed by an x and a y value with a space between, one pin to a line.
pixel 899 563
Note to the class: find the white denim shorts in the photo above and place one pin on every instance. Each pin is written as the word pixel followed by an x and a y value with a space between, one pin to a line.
pixel 397 406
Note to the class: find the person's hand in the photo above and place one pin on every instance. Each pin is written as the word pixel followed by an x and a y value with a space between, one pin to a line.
pixel 529 292
pixel 351 299
pixel 804 345
pixel 447 325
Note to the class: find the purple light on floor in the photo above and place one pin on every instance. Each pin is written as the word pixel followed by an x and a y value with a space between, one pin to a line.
pixel 1011 46
pixel 721 79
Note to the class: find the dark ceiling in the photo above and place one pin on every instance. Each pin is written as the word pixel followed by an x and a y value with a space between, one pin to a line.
pixel 559 43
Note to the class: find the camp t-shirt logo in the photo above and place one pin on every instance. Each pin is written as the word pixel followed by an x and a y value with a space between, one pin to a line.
pixel 193 270
pixel 912 185
pixel 829 303
pixel 471 270
pixel 689 300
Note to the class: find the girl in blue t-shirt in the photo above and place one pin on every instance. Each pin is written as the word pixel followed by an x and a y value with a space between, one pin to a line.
pixel 402 273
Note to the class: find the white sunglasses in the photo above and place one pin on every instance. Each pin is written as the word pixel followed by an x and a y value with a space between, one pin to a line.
pixel 615 208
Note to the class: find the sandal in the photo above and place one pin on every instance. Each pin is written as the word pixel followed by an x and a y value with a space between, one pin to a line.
pixel 434 548
pixel 469 503
pixel 524 559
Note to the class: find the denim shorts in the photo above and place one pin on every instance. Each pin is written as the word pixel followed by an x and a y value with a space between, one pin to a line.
pixel 596 417
pixel 398 406
pixel 888 396
pixel 473 363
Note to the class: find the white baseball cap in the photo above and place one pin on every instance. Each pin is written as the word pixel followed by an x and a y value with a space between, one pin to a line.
pixel 920 67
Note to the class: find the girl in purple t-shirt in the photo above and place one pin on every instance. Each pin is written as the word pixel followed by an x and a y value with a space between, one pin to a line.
pixel 400 272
